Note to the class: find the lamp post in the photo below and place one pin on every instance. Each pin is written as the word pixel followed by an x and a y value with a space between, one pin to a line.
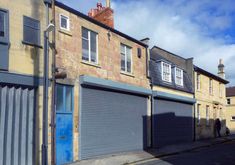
pixel 49 29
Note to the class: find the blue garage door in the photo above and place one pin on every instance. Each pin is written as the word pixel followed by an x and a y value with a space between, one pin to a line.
pixel 172 123
pixel 111 122
pixel 64 124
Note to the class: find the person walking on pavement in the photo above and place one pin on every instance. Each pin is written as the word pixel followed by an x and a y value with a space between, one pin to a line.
pixel 218 126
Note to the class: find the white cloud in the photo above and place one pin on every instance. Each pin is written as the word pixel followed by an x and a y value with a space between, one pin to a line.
pixel 174 26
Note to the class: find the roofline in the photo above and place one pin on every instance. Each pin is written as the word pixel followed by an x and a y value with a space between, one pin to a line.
pixel 200 70
pixel 76 12
pixel 231 95
pixel 170 52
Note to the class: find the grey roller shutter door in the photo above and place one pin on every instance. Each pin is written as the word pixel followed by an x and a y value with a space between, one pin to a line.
pixel 17 110
pixel 172 123
pixel 111 122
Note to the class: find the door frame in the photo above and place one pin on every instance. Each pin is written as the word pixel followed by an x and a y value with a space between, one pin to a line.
pixel 72 113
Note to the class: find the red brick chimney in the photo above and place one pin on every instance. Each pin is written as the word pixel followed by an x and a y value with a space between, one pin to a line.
pixel 103 14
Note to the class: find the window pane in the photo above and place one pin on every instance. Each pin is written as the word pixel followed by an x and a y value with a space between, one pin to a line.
pixel 85 52
pixel 2 24
pixel 84 33
pixel 123 62
pixel 93 46
pixel 128 59
pixel 123 49
pixel 68 98
pixel 64 22
pixel 31 31
pixel 59 98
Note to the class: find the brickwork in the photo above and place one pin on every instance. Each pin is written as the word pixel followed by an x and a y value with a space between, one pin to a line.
pixel 69 57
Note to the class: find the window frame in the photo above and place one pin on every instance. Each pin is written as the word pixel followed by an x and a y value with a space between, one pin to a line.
pixel 5 38
pixel 181 76
pixel 211 86
pixel 39 32
pixel 198 79
pixel 67 20
pixel 228 101
pixel 89 46
pixel 125 54
pixel 169 74
pixel 64 104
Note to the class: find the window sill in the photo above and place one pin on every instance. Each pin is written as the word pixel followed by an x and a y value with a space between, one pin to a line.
pixel 127 74
pixel 91 64
pixel 67 32
pixel 31 44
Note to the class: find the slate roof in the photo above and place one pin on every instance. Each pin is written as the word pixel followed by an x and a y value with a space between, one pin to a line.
pixel 230 91
pixel 200 70
pixel 156 78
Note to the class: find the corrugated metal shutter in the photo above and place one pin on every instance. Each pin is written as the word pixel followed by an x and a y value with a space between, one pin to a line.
pixel 111 122
pixel 172 123
pixel 17 109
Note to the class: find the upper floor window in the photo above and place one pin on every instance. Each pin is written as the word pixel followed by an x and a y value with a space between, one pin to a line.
pixel 31 28
pixel 2 24
pixel 220 90
pixel 4 39
pixel 64 22
pixel 166 72
pixel 126 58
pixel 211 86
pixel 228 101
pixel 89 46
pixel 179 76
pixel 198 81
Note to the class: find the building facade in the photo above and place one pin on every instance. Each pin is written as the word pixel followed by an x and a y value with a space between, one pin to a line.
pixel 21 70
pixel 172 105
pixel 230 109
pixel 211 102
pixel 103 104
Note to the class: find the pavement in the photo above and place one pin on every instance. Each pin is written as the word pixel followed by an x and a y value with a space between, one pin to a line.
pixel 136 157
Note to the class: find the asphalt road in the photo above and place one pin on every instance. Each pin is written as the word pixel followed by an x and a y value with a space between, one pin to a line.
pixel 220 154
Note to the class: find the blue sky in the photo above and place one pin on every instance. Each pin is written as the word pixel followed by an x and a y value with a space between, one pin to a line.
pixel 203 29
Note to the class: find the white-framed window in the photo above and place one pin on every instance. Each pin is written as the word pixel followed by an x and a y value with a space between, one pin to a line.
pixel 179 76
pixel 220 90
pixel 89 46
pixel 198 114
pixel 207 115
pixel 166 72
pixel 228 101
pixel 126 58
pixel 64 22
pixel 211 86
pixel 198 81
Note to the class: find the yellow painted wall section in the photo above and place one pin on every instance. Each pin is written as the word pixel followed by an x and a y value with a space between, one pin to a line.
pixel 24 59
pixel 216 104
pixel 230 111
pixel 172 91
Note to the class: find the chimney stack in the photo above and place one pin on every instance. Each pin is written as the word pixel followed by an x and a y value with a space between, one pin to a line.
pixel 103 14
pixel 221 72
pixel 108 4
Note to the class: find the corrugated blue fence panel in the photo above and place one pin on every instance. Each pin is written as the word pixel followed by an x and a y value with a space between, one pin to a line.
pixel 111 122
pixel 172 122
pixel 17 109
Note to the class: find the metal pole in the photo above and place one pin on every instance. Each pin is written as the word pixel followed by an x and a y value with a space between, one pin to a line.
pixel 45 95
pixel 53 83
